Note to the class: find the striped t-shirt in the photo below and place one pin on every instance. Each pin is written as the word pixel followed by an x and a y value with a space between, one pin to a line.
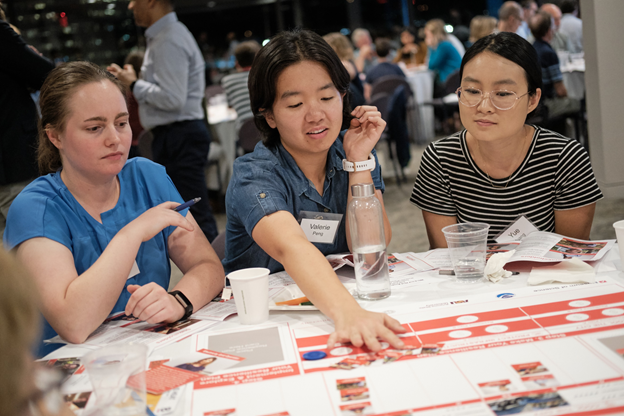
pixel 555 175
pixel 237 93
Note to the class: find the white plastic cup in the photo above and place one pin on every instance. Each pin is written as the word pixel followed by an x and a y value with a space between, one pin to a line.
pixel 250 288
pixel 467 243
pixel 619 234
pixel 117 374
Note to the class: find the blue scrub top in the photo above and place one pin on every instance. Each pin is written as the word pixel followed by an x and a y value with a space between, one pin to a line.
pixel 46 208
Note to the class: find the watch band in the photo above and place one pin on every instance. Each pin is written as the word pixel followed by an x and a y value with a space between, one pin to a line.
pixel 183 300
pixel 359 166
pixel 132 86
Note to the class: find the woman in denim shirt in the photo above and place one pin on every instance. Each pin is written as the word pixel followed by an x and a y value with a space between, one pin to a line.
pixel 298 96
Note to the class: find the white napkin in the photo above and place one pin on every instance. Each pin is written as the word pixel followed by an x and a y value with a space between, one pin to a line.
pixel 494 268
pixel 570 271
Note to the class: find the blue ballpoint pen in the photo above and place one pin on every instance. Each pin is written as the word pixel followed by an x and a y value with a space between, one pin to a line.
pixel 186 204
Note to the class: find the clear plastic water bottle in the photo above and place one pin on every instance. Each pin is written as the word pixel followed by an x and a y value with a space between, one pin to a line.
pixel 368 242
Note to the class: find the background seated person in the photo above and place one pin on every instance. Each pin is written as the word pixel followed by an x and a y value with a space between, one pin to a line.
pixel 554 92
pixel 235 85
pixel 364 53
pixel 444 59
pixel 343 48
pixel 499 167
pixel 411 52
pixel 510 17
pixel 383 67
pixel 96 232
pixel 298 92
pixel 480 27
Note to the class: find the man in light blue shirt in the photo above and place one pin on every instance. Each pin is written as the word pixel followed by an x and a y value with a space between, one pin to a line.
pixel 529 7
pixel 571 25
pixel 170 94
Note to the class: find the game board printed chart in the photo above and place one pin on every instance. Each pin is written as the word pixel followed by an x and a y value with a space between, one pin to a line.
pixel 570 317
pixel 517 355
pixel 266 352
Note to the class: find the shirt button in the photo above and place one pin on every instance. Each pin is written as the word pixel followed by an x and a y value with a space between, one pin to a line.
pixel 262 195
pixel 326 210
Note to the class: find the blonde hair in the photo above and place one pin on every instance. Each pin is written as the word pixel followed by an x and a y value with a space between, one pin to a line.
pixel 19 325
pixel 341 45
pixel 481 26
pixel 436 27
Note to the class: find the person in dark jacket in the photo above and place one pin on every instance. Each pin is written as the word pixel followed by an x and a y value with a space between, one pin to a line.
pixel 22 70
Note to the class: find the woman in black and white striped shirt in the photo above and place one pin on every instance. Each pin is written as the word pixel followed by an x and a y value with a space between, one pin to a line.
pixel 499 167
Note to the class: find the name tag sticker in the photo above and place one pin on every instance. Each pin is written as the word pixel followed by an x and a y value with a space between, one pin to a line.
pixel 518 229
pixel 320 227
pixel 320 231
pixel 134 271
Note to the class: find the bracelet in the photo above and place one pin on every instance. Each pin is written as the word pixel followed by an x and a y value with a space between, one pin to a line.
pixel 359 166
pixel 183 300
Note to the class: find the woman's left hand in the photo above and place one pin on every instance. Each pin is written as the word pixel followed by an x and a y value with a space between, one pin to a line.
pixel 152 303
pixel 364 132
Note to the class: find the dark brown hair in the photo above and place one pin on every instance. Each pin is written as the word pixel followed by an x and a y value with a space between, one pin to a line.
pixel 286 49
pixel 568 6
pixel 382 46
pixel 540 24
pixel 245 52
pixel 513 48
pixel 56 92
pixel 135 58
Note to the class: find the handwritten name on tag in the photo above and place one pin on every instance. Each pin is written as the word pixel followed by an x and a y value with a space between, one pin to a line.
pixel 517 230
pixel 320 231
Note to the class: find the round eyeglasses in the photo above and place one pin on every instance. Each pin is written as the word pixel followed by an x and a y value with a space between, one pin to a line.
pixel 501 99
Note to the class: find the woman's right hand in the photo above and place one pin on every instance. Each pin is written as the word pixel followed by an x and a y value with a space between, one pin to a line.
pixel 362 327
pixel 155 219
pixel 364 132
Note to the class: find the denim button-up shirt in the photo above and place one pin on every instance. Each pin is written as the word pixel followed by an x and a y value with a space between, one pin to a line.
pixel 269 180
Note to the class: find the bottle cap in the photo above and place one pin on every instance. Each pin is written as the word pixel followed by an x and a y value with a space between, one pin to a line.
pixel 314 355
pixel 363 189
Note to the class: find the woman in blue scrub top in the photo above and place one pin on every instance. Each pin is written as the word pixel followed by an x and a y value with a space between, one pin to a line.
pixel 97 230
pixel 298 89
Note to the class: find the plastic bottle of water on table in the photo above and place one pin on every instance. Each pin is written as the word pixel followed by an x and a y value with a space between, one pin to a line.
pixel 368 243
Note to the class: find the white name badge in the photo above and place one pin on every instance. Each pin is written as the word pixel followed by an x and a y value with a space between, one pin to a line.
pixel 320 231
pixel 518 229
pixel 134 271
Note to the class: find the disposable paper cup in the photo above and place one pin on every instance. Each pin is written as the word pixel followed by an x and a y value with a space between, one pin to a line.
pixel 467 243
pixel 619 234
pixel 250 288
pixel 117 374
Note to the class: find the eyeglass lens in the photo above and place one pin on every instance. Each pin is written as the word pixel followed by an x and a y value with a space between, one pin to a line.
pixel 503 100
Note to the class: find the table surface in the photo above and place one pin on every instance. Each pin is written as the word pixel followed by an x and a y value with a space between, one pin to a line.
pixel 478 349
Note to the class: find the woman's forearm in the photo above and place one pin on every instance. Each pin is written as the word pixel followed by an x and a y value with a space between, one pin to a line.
pixel 76 305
